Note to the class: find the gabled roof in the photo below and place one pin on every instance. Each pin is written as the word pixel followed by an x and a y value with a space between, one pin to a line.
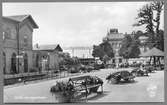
pixel 153 52
pixel 21 18
pixel 48 47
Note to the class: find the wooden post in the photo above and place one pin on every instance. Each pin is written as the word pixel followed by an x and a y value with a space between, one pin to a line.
pixel 150 60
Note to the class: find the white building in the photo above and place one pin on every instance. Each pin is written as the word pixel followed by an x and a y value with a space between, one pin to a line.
pixel 80 52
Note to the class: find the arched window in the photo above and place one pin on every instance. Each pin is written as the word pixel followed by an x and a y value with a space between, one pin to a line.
pixel 4 63
pixel 25 63
pixel 13 64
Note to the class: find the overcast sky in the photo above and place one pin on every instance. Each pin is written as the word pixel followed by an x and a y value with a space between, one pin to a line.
pixel 76 24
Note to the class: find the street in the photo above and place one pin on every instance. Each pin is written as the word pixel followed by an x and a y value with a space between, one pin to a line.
pixel 144 89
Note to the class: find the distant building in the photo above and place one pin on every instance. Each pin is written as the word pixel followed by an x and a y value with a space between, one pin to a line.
pixel 17 43
pixel 84 54
pixel 80 52
pixel 115 39
pixel 46 57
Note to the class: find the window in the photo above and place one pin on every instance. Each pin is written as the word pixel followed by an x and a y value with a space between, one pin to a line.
pixel 7 33
pixel 13 64
pixel 3 35
pixel 13 33
pixel 25 40
pixel 120 60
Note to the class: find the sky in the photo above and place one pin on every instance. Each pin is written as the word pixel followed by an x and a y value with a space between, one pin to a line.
pixel 77 23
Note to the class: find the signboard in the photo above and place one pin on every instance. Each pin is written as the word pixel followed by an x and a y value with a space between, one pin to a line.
pixel 19 56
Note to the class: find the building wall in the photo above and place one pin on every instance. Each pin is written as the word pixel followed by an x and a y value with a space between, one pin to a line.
pixel 10 43
pixel 8 52
pixel 52 60
pixel 26 31
pixel 116 44
pixel 80 52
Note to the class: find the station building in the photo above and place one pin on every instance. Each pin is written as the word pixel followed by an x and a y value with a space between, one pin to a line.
pixel 46 57
pixel 17 43
pixel 19 55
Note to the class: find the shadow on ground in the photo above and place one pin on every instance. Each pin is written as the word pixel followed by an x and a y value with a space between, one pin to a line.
pixel 92 96
pixel 126 82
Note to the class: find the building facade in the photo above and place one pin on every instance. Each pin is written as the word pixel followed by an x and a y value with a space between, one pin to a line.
pixel 17 43
pixel 115 39
pixel 80 52
pixel 46 57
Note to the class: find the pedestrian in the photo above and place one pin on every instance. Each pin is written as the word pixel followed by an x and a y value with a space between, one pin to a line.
pixel 70 84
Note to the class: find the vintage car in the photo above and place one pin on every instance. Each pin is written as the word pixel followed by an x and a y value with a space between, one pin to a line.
pixel 150 68
pixel 77 87
pixel 87 84
pixel 116 77
pixel 139 72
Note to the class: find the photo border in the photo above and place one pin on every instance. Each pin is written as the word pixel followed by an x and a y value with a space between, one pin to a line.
pixel 113 103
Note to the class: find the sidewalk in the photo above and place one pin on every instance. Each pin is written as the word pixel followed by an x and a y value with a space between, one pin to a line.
pixel 51 77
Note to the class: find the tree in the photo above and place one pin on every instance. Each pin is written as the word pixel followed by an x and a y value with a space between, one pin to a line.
pixel 103 50
pixel 134 49
pixel 158 7
pixel 160 40
pixel 98 52
pixel 145 17
pixel 137 34
pixel 129 48
pixel 107 48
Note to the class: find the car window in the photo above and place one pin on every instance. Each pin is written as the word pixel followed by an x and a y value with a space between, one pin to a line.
pixel 125 73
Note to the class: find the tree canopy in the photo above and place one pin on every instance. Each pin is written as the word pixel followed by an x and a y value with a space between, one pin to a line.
pixel 129 48
pixel 104 51
pixel 149 16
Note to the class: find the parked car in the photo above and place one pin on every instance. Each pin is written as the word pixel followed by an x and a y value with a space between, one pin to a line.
pixel 87 68
pixel 139 72
pixel 120 75
pixel 74 69
pixel 150 69
pixel 87 83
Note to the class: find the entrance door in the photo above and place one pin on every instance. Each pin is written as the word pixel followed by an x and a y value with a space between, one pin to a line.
pixel 25 63
pixel 13 64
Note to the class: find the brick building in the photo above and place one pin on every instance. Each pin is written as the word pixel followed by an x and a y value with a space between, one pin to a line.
pixel 46 57
pixel 17 43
